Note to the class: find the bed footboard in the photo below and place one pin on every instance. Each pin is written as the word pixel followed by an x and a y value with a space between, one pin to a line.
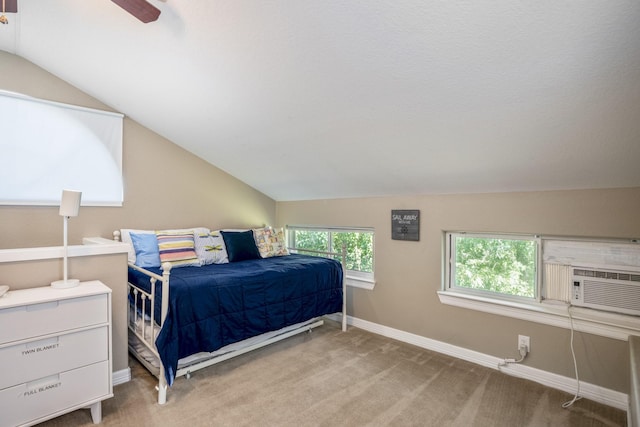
pixel 142 325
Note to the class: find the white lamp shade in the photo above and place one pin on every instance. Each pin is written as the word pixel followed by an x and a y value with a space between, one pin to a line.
pixel 70 203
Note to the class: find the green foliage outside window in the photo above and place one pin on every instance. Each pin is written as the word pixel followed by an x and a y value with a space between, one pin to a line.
pixel 359 246
pixel 506 266
pixel 314 240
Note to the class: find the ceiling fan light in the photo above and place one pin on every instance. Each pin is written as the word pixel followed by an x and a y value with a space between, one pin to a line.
pixel 3 19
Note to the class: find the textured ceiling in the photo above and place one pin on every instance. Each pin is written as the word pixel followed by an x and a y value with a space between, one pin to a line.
pixel 325 99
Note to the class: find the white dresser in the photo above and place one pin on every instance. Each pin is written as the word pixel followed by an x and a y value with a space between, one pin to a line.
pixel 55 352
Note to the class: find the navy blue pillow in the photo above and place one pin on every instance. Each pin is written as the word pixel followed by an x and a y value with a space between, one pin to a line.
pixel 240 245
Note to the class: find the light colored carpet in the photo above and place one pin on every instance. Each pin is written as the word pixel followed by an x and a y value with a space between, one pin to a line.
pixel 335 378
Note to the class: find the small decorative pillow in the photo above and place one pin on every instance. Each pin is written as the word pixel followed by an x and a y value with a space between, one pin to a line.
pixel 270 242
pixel 146 248
pixel 125 237
pixel 177 249
pixel 210 247
pixel 240 245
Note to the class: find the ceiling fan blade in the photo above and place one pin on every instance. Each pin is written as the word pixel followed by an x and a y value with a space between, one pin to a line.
pixel 10 6
pixel 144 11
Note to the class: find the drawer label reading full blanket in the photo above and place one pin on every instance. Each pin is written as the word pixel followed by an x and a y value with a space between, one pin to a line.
pixel 41 389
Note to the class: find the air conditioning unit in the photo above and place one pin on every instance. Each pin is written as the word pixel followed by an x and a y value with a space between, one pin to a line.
pixel 606 289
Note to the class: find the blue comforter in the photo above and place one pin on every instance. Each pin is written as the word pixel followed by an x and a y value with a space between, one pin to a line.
pixel 216 305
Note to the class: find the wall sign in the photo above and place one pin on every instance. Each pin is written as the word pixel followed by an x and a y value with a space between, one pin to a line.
pixel 405 225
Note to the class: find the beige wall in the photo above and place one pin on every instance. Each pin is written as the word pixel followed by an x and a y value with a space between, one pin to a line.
pixel 408 274
pixel 165 186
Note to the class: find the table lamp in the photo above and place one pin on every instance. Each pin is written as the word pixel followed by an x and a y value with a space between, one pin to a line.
pixel 69 206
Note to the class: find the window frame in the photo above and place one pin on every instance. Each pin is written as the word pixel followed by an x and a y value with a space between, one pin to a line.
pixel 354 278
pixel 450 268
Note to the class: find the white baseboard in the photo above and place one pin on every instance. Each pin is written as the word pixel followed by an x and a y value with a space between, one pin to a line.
pixel 121 377
pixel 593 392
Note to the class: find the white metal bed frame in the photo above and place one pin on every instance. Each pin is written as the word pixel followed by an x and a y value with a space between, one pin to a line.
pixel 144 330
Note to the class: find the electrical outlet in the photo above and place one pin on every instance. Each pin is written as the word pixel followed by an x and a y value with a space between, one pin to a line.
pixel 524 340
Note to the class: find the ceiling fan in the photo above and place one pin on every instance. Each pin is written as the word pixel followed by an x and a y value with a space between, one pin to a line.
pixel 141 9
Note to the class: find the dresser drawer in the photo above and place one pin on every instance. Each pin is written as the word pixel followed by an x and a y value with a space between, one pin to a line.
pixel 33 320
pixel 41 358
pixel 54 394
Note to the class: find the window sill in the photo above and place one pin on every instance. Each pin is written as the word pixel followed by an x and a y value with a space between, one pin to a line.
pixel 357 282
pixel 611 325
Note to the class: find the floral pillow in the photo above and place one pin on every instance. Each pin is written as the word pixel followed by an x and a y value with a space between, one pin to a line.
pixel 270 242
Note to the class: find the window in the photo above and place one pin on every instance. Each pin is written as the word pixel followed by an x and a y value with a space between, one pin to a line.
pixel 47 147
pixel 358 243
pixel 501 266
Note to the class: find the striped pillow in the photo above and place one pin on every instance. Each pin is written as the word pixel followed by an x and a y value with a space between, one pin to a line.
pixel 177 249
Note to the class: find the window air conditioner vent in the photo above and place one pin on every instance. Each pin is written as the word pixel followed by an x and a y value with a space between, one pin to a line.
pixel 617 291
pixel 632 277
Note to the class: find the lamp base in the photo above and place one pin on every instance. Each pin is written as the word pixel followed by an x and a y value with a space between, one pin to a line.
pixel 64 284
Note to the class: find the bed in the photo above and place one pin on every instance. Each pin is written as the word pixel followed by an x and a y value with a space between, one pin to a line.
pixel 185 319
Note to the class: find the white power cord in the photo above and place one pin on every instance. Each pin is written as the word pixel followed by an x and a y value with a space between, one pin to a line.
pixel 523 350
pixel 577 396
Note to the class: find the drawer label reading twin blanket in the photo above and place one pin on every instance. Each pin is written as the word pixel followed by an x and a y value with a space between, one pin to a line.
pixel 40 349
pixel 41 389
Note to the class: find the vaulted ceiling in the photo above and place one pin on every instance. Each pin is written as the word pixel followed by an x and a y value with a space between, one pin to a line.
pixel 312 99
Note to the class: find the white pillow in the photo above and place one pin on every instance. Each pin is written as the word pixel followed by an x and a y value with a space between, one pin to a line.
pixel 210 247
